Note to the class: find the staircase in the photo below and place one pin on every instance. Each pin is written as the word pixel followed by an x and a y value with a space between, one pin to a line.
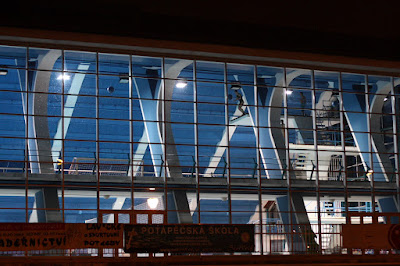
pixel 335 168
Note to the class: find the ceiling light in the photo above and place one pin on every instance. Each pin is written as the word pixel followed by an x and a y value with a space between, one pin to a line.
pixel 152 67
pixel 181 84
pixel 266 76
pixel 3 72
pixel 288 92
pixel 123 80
pixel 63 77
pixel 152 188
pixel 235 87
pixel 152 203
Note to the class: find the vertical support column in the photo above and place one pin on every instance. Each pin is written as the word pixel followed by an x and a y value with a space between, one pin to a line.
pixel 303 223
pixel 287 206
pixel 256 126
pixel 344 160
pixel 370 143
pixel 293 241
pixel 167 197
pixel 171 152
pixel 294 216
pixel 299 235
pixel 97 157
pixel 396 138
pixel 64 130
pixel 25 81
pixel 380 156
pixel 196 140
pixel 271 143
pixel 227 153
pixel 312 246
pixel 41 151
pixel 390 204
pixel 176 199
pixel 39 148
pixel 132 170
pixel 48 207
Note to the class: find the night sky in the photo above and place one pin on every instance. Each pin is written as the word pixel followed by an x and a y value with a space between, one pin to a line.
pixel 355 28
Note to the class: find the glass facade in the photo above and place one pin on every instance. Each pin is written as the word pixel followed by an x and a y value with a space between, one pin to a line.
pixel 85 135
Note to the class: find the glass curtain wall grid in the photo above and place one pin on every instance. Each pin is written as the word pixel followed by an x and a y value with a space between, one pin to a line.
pixel 86 135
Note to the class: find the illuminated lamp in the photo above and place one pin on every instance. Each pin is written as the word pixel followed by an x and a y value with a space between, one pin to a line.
pixel 369 171
pixel 63 77
pixel 181 84
pixel 152 203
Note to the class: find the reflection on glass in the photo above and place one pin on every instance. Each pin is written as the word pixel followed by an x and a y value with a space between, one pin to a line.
pixel 197 141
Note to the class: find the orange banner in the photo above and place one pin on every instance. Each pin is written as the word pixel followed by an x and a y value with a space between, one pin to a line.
pixel 45 236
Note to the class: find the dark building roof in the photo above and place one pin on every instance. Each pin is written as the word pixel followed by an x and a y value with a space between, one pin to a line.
pixel 355 29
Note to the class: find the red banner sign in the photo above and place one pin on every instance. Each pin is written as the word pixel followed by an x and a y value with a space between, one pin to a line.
pixel 371 236
pixel 45 236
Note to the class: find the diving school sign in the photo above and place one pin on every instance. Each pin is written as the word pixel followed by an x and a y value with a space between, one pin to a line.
pixel 189 238
pixel 45 236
